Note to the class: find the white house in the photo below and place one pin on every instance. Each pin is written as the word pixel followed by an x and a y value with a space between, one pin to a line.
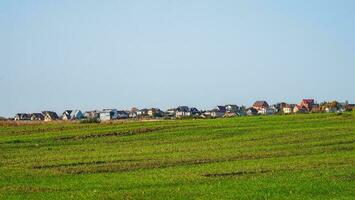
pixel 108 114
pixel 266 111
pixel 183 111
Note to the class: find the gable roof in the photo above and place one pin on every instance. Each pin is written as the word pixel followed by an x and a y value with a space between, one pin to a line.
pixel 308 101
pixel 221 108
pixel 37 115
pixel 50 114
pixel 260 104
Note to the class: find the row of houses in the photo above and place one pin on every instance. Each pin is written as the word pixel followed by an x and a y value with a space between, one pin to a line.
pixel 230 110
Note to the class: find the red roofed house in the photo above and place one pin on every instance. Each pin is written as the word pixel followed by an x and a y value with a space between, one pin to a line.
pixel 258 105
pixel 307 103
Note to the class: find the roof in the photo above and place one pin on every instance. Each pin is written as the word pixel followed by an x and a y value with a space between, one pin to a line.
pixel 37 115
pixel 260 104
pixel 182 109
pixel 251 109
pixel 221 108
pixel 308 101
pixel 51 114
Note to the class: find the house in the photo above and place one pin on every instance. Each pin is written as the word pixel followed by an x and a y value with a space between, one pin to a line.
pixel 258 105
pixel 171 112
pixel 307 103
pixel 22 117
pixel 50 116
pixel 218 111
pixel 251 111
pixel 94 114
pixel 206 114
pixel 155 112
pixel 266 111
pixel 182 111
pixel 76 114
pixel 108 114
pixel 142 113
pixel 230 114
pixel 231 108
pixel 194 111
pixel 133 112
pixel 300 109
pixel 288 109
pixel 66 115
pixel 72 115
pixel 121 114
pixel 37 117
pixel 279 106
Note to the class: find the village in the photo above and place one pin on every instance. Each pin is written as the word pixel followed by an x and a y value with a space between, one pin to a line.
pixel 230 110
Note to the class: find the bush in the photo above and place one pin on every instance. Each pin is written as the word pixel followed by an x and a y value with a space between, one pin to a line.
pixel 89 121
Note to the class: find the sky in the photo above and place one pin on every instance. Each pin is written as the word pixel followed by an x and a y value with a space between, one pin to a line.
pixel 86 54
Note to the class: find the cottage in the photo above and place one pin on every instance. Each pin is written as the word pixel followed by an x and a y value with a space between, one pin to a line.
pixel 307 104
pixel 251 111
pixel 121 114
pixel 258 105
pixel 72 115
pixel 287 109
pixel 37 117
pixel 171 112
pixel 182 111
pixel 76 114
pixel 155 112
pixel 92 114
pixel 230 114
pixel 50 116
pixel 232 108
pixel 142 113
pixel 133 112
pixel 300 109
pixel 66 115
pixel 22 117
pixel 108 114
pixel 266 111
pixel 194 111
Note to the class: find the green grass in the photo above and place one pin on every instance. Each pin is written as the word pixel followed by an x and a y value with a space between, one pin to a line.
pixel 275 157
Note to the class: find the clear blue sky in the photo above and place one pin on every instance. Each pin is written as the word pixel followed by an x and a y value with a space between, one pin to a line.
pixel 57 55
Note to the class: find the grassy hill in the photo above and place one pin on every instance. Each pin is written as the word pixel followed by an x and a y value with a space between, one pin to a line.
pixel 276 157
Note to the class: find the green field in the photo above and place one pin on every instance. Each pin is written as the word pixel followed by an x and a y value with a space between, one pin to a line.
pixel 274 157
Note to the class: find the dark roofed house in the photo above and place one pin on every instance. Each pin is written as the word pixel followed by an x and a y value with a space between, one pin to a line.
pixel 121 114
pixel 22 117
pixel 171 112
pixel 258 105
pixel 67 115
pixel 232 108
pixel 219 111
pixel 155 112
pixel 194 111
pixel 142 112
pixel 50 116
pixel 251 111
pixel 37 117
pixel 182 111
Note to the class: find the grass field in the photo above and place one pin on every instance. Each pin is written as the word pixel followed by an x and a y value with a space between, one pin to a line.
pixel 275 157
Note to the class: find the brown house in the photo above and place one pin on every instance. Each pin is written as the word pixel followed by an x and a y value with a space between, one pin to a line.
pixel 258 105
